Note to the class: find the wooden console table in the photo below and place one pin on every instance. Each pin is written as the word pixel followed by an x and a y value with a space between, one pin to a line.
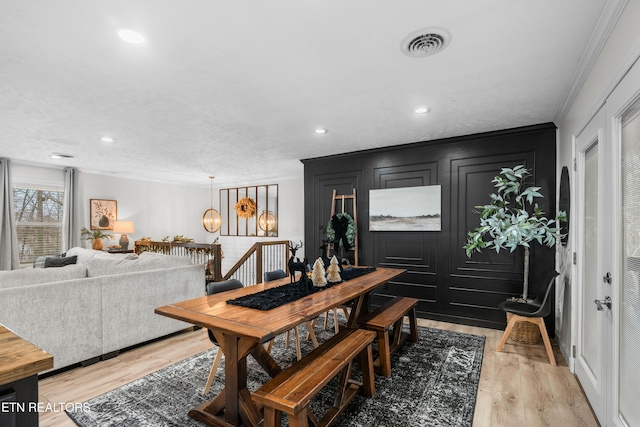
pixel 20 362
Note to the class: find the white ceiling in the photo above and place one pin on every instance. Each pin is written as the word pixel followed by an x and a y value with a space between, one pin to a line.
pixel 235 88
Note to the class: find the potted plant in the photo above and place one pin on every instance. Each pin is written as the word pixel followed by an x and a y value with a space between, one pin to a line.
pixel 513 219
pixel 95 236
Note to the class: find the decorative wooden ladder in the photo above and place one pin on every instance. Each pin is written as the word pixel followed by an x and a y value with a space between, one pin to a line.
pixel 334 198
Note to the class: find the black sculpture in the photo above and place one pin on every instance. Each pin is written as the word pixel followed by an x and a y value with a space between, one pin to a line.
pixel 325 253
pixel 295 264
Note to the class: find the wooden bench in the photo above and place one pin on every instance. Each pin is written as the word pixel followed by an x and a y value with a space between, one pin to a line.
pixel 382 319
pixel 292 389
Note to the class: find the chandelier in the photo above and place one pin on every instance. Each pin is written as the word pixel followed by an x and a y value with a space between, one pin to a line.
pixel 211 219
pixel 267 221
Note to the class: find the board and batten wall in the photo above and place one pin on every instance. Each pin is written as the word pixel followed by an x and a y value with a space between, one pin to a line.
pixel 450 286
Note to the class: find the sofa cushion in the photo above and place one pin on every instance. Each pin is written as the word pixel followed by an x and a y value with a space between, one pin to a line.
pixel 60 261
pixel 83 254
pixel 34 276
pixel 106 265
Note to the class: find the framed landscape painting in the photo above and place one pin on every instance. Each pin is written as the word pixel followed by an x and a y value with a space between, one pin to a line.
pixel 405 209
pixel 103 213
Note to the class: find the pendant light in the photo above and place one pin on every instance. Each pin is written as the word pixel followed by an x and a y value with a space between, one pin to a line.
pixel 267 221
pixel 211 219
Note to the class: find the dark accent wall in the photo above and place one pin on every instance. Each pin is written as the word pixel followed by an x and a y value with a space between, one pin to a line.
pixel 450 286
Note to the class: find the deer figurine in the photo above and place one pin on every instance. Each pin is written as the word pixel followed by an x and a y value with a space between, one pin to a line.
pixel 294 263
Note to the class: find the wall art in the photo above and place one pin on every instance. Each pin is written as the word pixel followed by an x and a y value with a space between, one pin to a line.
pixel 102 214
pixel 405 209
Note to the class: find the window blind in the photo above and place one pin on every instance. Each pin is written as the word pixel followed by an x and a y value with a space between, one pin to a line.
pixel 38 214
pixel 629 376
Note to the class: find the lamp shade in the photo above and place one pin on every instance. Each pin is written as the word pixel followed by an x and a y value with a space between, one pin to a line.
pixel 123 227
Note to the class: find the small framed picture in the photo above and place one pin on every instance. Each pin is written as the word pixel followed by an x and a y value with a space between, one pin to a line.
pixel 103 213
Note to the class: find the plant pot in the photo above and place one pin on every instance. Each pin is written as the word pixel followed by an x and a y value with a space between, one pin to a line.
pixel 96 244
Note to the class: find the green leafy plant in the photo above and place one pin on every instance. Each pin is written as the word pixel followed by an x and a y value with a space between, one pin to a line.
pixel 513 218
pixel 94 234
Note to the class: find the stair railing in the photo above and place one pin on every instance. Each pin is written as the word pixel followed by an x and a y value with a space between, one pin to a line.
pixel 207 254
pixel 261 257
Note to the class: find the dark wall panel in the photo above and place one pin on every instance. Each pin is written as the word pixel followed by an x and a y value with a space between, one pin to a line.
pixel 449 285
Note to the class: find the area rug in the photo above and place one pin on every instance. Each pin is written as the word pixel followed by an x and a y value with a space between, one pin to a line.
pixel 433 383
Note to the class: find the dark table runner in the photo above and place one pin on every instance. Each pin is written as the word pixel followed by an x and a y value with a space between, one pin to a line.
pixel 281 295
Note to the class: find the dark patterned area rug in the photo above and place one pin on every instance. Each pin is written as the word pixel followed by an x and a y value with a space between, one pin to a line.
pixel 433 383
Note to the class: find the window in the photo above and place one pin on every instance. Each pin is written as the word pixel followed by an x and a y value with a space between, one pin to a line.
pixel 38 221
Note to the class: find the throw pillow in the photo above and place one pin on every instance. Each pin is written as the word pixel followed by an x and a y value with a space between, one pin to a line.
pixel 39 262
pixel 60 262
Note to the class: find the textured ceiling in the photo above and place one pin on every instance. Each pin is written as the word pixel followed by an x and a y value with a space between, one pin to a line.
pixel 235 88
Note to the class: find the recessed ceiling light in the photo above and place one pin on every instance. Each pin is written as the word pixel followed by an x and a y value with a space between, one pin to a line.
pixel 131 36
pixel 321 131
pixel 421 110
pixel 107 139
pixel 61 156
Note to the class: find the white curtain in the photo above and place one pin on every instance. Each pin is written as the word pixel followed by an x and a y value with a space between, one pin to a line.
pixel 9 256
pixel 71 215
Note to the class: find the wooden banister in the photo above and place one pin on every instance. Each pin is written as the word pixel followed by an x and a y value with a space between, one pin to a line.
pixel 261 257
pixel 208 254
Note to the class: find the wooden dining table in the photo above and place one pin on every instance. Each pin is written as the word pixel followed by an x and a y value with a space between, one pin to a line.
pixel 240 331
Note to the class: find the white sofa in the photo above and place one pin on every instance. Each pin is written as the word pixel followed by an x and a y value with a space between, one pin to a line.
pixel 100 305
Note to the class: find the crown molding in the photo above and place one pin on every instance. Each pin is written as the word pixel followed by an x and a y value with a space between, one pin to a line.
pixel 607 22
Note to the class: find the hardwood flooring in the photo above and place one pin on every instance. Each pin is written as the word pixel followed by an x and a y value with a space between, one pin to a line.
pixel 518 387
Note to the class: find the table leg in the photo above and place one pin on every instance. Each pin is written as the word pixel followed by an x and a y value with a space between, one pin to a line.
pixel 234 403
pixel 234 376
pixel 360 306
pixel 265 360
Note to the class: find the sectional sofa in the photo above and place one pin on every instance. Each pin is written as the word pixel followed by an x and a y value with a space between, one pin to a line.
pixel 101 304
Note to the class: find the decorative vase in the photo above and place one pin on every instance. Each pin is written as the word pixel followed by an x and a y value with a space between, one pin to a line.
pixel 96 244
pixel 104 221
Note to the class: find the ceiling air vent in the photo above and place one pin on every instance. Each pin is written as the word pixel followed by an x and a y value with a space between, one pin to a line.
pixel 426 42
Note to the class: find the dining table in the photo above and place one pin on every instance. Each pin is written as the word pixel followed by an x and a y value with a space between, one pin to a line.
pixel 241 331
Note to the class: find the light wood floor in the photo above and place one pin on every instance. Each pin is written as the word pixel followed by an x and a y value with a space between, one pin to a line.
pixel 518 387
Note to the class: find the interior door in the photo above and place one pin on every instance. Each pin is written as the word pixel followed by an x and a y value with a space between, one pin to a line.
pixel 623 108
pixel 594 315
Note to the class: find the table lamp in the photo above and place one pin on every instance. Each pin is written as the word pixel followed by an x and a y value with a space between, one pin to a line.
pixel 122 228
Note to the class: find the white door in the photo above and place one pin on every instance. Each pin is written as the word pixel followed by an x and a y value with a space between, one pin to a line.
pixel 623 109
pixel 594 316
pixel 607 339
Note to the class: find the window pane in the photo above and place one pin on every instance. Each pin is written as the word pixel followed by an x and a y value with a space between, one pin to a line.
pixel 38 222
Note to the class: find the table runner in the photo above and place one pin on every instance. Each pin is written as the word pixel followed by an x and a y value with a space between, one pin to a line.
pixel 281 295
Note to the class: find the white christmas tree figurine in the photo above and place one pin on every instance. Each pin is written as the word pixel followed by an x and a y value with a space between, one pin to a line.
pixel 333 271
pixel 317 274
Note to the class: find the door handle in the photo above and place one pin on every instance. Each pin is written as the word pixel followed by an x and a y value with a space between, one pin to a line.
pixel 600 302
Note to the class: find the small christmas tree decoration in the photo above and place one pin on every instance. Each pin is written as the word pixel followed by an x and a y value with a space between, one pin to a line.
pixel 317 274
pixel 333 272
